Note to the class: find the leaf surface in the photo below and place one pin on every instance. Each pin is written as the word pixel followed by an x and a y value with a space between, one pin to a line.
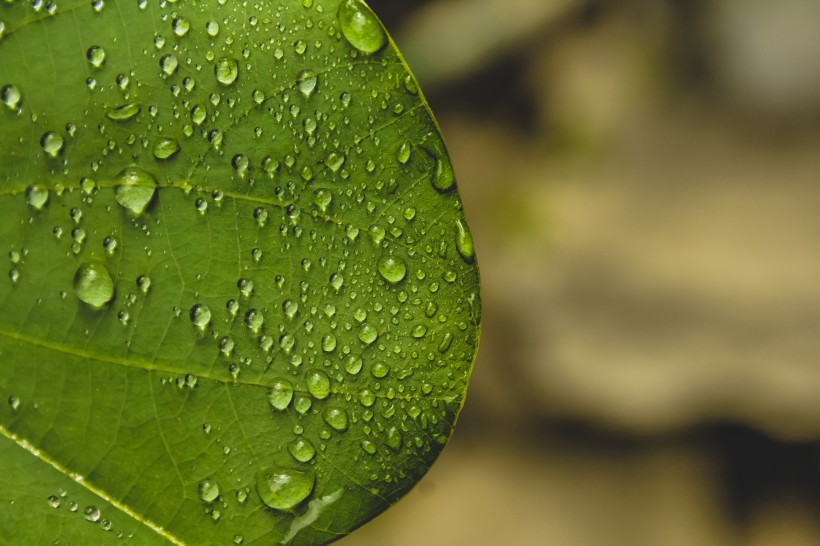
pixel 242 302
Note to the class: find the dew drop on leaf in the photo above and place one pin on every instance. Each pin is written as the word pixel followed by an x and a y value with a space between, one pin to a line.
pixel 124 112
pixel 52 143
pixel 306 82
pixel 226 71
pixel 361 27
pixel 368 334
pixel 280 394
pixel 284 488
pixel 318 384
pixel 37 196
pixel 208 490
pixel 166 148
pixel 392 269
pixel 464 241
pixel 93 285
pixel 302 450
pixel 200 316
pixel 336 418
pixel 135 189
pixel 95 56
pixel 11 96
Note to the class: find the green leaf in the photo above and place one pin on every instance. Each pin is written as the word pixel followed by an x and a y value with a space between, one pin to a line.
pixel 242 303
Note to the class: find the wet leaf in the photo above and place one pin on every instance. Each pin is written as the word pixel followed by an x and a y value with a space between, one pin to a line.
pixel 241 303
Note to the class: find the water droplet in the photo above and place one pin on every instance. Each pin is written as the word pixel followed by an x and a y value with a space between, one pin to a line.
pixel 124 112
pixel 369 447
pixel 37 196
pixel 14 403
pixel 280 394
pixel 367 398
pixel 306 82
pixel 200 316
pixel 135 190
pixel 53 501
pixel 336 418
pixel 208 490
pixel 302 450
pixel 392 269
pixel 181 26
pixel 368 334
pixel 212 28
pixel 92 514
pixel 96 56
pixel 144 283
pixel 168 64
pixel 318 384
pixel 403 154
pixel 97 5
pixel 361 27
pixel 166 148
pixel 394 439
pixel 329 343
pixel 446 342
pixel 464 241
pixel 354 365
pixel 443 176
pixel 11 96
pixel 322 199
pixel 52 143
pixel 226 71
pixel 254 320
pixel 284 488
pixel 379 370
pixel 291 308
pixel 93 285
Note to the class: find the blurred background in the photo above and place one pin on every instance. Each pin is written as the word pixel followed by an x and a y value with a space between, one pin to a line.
pixel 642 178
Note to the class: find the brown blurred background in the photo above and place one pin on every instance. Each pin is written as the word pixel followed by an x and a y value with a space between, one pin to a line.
pixel 642 178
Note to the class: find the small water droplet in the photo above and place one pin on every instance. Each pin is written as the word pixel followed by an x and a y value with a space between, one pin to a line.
pixel 403 154
pixel 329 343
pixel 284 488
pixel 208 490
pixel 52 143
pixel 394 439
pixel 291 308
pixel 166 148
pixel 53 501
pixel 93 285
pixel 135 190
pixel 392 269
pixel 226 71
pixel 443 176
pixel 14 403
pixel 361 27
pixel 144 283
pixel 280 394
pixel 302 450
pixel 369 447
pixel 318 384
pixel 37 196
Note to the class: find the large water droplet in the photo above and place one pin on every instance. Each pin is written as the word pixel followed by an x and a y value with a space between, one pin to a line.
pixel 291 308
pixel 124 112
pixel 318 384
pixel 284 488
pixel 166 148
pixel 92 514
pixel 392 269
pixel 208 490
pixel 11 96
pixel 226 70
pixel 306 82
pixel 361 27
pixel 96 56
pixel 368 334
pixel 464 241
pixel 302 450
pixel 379 370
pixel 329 343
pixel 135 190
pixel 200 316
pixel 52 143
pixel 37 196
pixel 168 64
pixel 280 395
pixel 181 26
pixel 212 28
pixel 443 177
pixel 336 418
pixel 93 285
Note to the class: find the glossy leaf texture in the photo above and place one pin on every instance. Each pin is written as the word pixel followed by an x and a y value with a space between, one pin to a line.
pixel 240 303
